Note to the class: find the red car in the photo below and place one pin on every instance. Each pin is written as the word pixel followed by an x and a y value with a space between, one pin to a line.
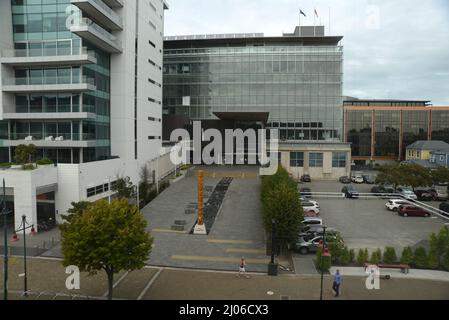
pixel 311 214
pixel 412 211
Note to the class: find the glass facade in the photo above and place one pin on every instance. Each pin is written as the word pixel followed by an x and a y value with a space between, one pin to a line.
pixel 394 130
pixel 40 29
pixel 300 86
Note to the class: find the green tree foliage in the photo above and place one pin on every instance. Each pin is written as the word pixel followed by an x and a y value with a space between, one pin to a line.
pixel 76 209
pixel 439 244
pixel 108 237
pixel 145 195
pixel 420 259
pixel 411 175
pixel 345 256
pixel 390 175
pixel 280 202
pixel 351 255
pixel 407 256
pixel 389 256
pixel 24 153
pixel 124 188
pixel 376 257
pixel 362 256
pixel 323 263
pixel 440 175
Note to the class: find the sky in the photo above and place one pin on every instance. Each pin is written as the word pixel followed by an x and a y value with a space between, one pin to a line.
pixel 393 49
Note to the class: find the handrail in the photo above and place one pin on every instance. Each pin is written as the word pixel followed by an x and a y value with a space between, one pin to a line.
pixel 46 52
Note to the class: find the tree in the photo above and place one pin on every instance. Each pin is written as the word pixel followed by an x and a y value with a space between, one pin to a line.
pixel 124 188
pixel 440 175
pixel 390 174
pixel 407 256
pixel 345 256
pixel 24 153
pixel 439 244
pixel 389 256
pixel 376 257
pixel 144 185
pixel 420 258
pixel 108 237
pixel 362 256
pixel 415 176
pixel 76 209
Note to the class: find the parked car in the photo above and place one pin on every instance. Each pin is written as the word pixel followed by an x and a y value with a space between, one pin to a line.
pixel 309 205
pixel 439 194
pixel 306 178
pixel 310 232
pixel 305 245
pixel 311 201
pixel 382 190
pixel 368 179
pixel 407 193
pixel 394 204
pixel 412 211
pixel 345 180
pixel 305 193
pixel 350 192
pixel 424 195
pixel 357 179
pixel 444 206
pixel 311 213
pixel 312 221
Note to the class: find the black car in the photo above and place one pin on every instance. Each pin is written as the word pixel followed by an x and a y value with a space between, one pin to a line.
pixel 368 179
pixel 444 206
pixel 305 193
pixel 424 195
pixel 306 178
pixel 345 180
pixel 381 190
pixel 350 192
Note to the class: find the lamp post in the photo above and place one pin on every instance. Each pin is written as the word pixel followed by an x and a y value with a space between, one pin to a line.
pixel 22 228
pixel 321 261
pixel 4 214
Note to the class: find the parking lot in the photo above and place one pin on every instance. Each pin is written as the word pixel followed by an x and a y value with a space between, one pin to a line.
pixel 366 223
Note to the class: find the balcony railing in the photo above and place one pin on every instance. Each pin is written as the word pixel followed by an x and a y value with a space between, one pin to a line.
pixel 47 52
pixel 57 80
pixel 51 136
pixel 86 22
pixel 108 9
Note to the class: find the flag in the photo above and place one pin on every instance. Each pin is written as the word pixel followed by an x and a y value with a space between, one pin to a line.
pixel 316 13
pixel 301 12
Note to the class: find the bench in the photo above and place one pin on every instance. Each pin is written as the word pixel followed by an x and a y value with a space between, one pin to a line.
pixel 403 267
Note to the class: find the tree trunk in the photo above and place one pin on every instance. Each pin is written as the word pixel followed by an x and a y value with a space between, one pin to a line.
pixel 110 274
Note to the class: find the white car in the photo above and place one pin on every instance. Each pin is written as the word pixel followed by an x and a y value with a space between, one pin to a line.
pixel 311 206
pixel 357 179
pixel 312 220
pixel 393 204
pixel 311 201
pixel 407 193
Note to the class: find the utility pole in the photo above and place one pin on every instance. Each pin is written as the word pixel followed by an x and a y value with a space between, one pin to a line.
pixel 321 261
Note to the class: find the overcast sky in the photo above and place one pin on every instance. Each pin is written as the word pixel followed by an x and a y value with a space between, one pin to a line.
pixel 394 49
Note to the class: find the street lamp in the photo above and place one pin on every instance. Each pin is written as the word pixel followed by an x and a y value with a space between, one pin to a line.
pixel 23 227
pixel 323 249
pixel 4 214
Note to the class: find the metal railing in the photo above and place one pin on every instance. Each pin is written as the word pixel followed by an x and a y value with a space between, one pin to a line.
pixel 57 80
pixel 108 10
pixel 47 52
pixel 86 22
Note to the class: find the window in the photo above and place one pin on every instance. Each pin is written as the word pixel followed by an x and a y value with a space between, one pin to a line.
pixel 339 160
pixel 316 160
pixel 418 154
pixel 441 158
pixel 296 159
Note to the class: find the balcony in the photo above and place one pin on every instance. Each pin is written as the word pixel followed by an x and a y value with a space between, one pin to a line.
pixel 92 32
pixel 100 13
pixel 63 140
pixel 64 84
pixel 47 57
pixel 114 3
pixel 49 116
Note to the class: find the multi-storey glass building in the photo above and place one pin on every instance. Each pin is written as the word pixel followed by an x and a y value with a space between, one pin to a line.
pixel 382 129
pixel 82 81
pixel 295 78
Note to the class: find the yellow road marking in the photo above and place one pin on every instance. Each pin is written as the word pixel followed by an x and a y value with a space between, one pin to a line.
pixel 218 259
pixel 167 231
pixel 230 241
pixel 237 250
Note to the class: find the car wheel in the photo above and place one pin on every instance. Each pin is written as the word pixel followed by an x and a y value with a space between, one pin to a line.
pixel 428 215
pixel 303 250
pixel 395 209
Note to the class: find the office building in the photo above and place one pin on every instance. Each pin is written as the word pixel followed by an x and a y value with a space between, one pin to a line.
pixel 380 130
pixel 82 81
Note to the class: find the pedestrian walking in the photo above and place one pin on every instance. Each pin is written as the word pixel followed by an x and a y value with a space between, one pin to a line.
pixel 337 283
pixel 242 268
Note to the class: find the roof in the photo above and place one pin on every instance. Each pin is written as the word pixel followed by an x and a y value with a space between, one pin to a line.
pixel 429 145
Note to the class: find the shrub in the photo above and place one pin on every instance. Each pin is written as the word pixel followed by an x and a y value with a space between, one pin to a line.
pixel 376 257
pixel 44 162
pixel 28 166
pixel 5 165
pixel 351 256
pixel 325 263
pixel 345 256
pixel 433 261
pixel 407 256
pixel 362 256
pixel 446 260
pixel 420 258
pixel 24 153
pixel 389 256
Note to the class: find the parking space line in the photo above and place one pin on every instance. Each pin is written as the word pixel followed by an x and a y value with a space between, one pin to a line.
pixel 238 250
pixel 230 241
pixel 150 283
pixel 117 283
pixel 218 259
